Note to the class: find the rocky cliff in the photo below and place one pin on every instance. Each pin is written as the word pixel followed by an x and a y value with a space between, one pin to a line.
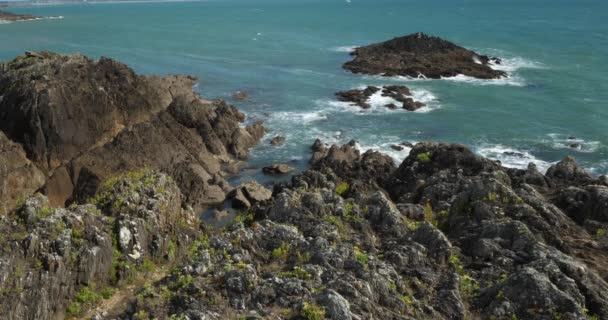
pixel 82 121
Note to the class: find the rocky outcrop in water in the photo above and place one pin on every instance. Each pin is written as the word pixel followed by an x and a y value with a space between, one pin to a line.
pixel 401 97
pixel 421 55
pixel 81 122
pixel 446 235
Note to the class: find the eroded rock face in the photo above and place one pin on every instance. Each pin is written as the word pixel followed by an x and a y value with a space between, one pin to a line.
pixel 420 55
pixel 82 121
pixel 19 178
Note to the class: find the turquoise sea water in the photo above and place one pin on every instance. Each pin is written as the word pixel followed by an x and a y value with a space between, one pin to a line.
pixel 287 56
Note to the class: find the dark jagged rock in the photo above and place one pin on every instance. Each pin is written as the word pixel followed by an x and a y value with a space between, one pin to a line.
pixel 277 141
pixel 278 169
pixel 240 96
pixel 401 95
pixel 418 55
pixel 82 121
pixel 358 97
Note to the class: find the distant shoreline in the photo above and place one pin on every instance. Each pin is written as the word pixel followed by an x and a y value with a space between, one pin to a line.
pixel 8 16
pixel 55 3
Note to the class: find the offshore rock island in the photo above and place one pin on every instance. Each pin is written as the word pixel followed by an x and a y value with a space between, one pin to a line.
pixel 421 55
pixel 104 175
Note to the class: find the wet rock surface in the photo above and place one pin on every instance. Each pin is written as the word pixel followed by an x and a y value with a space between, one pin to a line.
pixel 421 55
pixel 401 96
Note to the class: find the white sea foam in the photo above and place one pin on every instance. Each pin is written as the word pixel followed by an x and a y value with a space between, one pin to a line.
pixel 33 19
pixel 512 158
pixel 561 141
pixel 511 80
pixel 343 49
pixel 386 148
pixel 300 117
pixel 513 64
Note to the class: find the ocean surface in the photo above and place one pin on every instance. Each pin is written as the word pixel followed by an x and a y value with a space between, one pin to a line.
pixel 287 55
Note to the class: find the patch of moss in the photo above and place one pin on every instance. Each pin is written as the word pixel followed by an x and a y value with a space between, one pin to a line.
pixel 424 157
pixel 45 211
pixel 342 188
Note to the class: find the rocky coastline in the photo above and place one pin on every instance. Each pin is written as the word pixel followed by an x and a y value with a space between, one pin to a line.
pixel 104 174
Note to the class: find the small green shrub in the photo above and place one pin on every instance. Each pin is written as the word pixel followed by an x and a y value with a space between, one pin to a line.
pixel 312 312
pixel 107 293
pixel 83 299
pixel 141 315
pixel 361 256
pixel 429 215
pixel 297 272
pixel 45 211
pixel 282 252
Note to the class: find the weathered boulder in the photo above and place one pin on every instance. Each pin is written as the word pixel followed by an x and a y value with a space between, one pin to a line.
pixel 568 172
pixel 581 204
pixel 421 55
pixel 248 194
